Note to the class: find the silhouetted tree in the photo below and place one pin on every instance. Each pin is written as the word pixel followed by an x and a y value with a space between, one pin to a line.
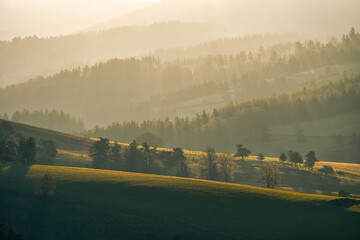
pixel 99 152
pixel 226 166
pixel 242 151
pixel 310 160
pixel 326 169
pixel 45 185
pixel 209 164
pixel 6 130
pixel 260 157
pixel 9 154
pixel 46 151
pixel 148 157
pixel 295 157
pixel 115 157
pixel 180 160
pixel 27 151
pixel 271 177
pixel 133 158
pixel 150 139
pixel 283 157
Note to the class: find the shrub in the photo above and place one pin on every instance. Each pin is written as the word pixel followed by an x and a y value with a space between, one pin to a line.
pixel 327 169
pixel 342 193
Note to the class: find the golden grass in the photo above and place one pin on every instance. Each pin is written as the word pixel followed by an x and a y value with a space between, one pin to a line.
pixel 352 168
pixel 150 180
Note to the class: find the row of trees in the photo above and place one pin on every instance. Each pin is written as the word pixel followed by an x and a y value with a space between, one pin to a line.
pixel 14 148
pixel 146 159
pixel 138 158
pixel 51 119
pixel 296 158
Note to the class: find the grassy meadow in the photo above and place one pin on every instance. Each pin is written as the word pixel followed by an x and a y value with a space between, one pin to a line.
pixel 90 203
pixel 73 152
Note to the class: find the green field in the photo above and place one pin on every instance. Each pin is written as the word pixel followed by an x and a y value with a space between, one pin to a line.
pixel 102 204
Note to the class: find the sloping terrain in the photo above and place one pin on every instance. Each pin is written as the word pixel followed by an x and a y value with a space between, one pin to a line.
pixel 102 204
pixel 73 151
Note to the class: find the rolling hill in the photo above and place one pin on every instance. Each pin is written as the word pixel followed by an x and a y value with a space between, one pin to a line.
pixel 94 204
pixel 73 151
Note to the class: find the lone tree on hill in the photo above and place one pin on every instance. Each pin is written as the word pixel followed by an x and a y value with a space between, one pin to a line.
pixel 242 151
pixel 226 166
pixel 261 157
pixel 295 157
pixel 310 160
pixel 271 177
pixel 45 185
pixel 27 151
pixel 209 163
pixel 99 152
pixel 46 151
pixel 283 157
pixel 148 154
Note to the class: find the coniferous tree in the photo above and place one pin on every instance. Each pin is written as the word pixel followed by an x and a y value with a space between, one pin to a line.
pixel 116 160
pixel 99 152
pixel 147 156
pixel 133 158
pixel 181 167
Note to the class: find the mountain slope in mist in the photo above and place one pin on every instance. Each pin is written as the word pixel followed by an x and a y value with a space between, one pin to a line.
pixel 253 16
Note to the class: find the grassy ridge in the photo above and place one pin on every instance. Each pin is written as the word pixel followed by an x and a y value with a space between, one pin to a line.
pixel 93 204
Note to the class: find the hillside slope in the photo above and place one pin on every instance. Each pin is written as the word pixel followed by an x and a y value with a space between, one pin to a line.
pixel 94 204
pixel 73 151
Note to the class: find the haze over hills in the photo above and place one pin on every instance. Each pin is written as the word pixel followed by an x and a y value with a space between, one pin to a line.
pixel 53 18
pixel 253 16
pixel 179 119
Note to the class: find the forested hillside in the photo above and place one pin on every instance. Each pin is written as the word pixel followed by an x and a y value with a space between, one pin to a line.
pixel 56 120
pixel 248 121
pixel 24 58
pixel 146 88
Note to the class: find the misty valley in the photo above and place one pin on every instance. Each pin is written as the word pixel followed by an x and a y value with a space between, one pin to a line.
pixel 168 119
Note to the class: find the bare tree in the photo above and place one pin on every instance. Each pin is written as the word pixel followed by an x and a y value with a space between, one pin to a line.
pixel 45 185
pixel 226 162
pixel 271 177
pixel 209 164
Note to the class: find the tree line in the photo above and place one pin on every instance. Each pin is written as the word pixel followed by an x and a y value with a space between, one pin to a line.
pixel 51 119
pixel 167 84
pixel 15 148
pixel 246 121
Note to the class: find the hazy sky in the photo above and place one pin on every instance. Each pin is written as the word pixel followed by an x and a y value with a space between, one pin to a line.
pixel 48 17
